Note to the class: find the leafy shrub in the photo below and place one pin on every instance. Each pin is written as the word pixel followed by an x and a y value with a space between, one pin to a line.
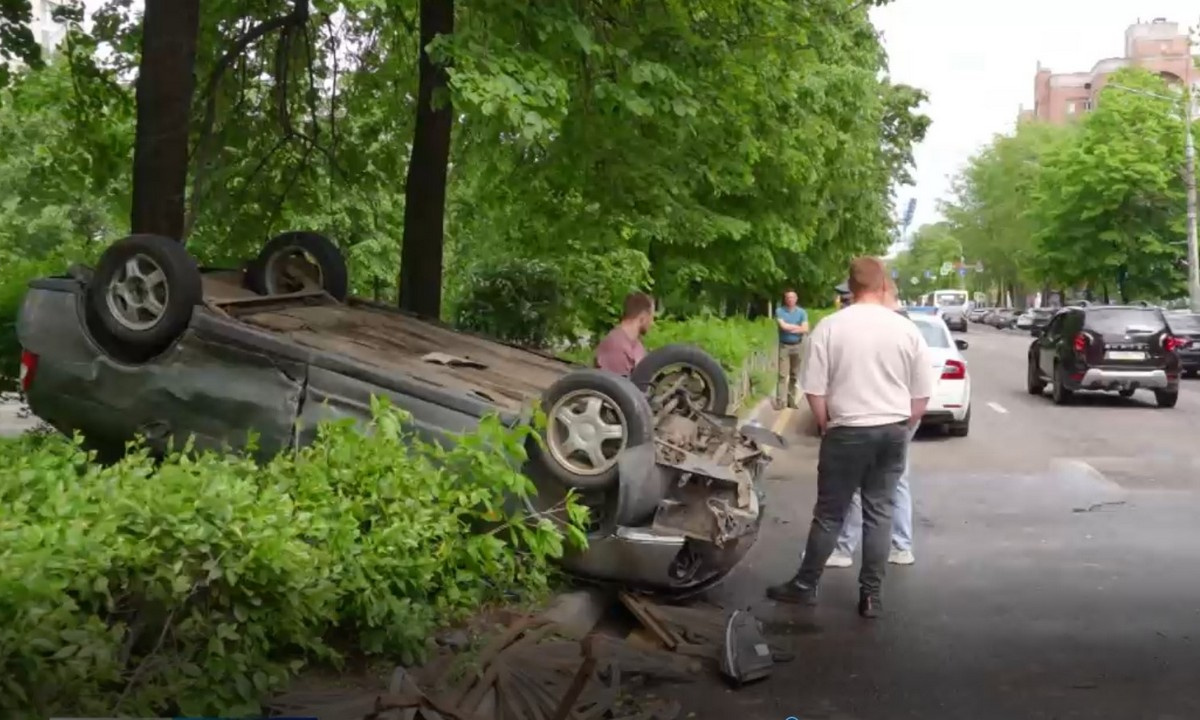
pixel 200 584
pixel 517 301
pixel 732 341
pixel 539 303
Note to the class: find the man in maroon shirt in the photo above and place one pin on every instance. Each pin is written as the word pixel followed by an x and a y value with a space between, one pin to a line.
pixel 622 348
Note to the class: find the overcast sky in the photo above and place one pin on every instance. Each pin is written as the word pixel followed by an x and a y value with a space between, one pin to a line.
pixel 976 60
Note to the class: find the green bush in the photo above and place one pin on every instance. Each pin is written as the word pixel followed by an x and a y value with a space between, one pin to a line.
pixel 199 585
pixel 732 341
pixel 518 301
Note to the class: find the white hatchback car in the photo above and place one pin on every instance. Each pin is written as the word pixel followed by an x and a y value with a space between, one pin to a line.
pixel 950 406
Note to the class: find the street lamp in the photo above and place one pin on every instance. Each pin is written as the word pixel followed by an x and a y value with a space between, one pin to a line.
pixel 1189 154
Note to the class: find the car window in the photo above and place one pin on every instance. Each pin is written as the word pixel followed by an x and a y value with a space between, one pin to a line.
pixel 1055 326
pixel 1184 323
pixel 934 335
pixel 952 299
pixel 1119 321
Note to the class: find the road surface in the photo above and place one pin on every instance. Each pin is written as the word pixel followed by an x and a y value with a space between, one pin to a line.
pixel 1057 575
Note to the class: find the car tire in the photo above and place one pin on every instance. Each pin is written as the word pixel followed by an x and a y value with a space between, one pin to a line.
pixel 713 391
pixel 142 295
pixel 1033 379
pixel 612 414
pixel 1061 394
pixel 265 277
pixel 1166 398
pixel 962 428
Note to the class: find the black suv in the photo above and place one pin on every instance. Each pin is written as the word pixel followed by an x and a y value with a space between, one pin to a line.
pixel 1106 347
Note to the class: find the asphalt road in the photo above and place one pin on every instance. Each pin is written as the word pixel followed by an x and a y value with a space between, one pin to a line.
pixel 1057 575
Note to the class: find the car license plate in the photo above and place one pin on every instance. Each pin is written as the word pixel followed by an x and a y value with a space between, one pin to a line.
pixel 1126 355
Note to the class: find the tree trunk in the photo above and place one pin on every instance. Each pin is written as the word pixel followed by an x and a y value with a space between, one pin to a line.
pixel 166 80
pixel 425 191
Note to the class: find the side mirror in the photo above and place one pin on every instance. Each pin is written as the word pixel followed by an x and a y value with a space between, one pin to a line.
pixel 961 344
pixel 1037 332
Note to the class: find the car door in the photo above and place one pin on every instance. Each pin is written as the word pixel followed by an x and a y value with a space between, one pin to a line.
pixel 1047 344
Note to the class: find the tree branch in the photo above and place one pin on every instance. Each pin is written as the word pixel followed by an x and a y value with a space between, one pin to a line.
pixel 298 17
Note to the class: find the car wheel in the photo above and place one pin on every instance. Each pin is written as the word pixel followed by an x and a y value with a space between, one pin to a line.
pixel 963 428
pixel 591 417
pixel 1061 394
pixel 299 261
pixel 1033 379
pixel 687 368
pixel 142 295
pixel 1166 398
pixel 1126 392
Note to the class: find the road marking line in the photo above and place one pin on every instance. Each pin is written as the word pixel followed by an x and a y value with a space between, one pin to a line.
pixel 998 408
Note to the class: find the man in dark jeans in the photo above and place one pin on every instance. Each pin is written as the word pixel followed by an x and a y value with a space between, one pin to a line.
pixel 868 376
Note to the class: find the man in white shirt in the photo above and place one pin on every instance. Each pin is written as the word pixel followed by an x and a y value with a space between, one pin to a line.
pixel 868 377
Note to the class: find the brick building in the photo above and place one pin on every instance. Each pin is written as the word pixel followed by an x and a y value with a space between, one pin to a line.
pixel 1158 46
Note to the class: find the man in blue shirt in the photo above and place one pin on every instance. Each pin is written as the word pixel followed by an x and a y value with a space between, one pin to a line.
pixel 793 324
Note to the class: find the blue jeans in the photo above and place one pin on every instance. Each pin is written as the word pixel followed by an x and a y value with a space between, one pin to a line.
pixel 902 522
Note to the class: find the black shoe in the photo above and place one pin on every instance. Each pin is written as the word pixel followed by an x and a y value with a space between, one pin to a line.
pixel 869 606
pixel 793 592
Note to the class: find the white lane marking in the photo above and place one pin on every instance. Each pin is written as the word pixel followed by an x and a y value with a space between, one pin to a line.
pixel 998 408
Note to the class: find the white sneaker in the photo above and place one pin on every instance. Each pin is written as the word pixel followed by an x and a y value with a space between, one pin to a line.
pixel 901 557
pixel 839 560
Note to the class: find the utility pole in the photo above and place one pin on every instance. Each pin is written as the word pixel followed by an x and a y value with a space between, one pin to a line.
pixel 1193 252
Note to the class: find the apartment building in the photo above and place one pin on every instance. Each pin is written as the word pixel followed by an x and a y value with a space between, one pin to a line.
pixel 1159 46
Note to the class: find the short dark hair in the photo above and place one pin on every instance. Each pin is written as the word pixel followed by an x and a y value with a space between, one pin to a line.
pixel 790 290
pixel 637 303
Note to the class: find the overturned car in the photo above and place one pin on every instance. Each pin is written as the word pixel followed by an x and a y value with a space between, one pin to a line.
pixel 148 344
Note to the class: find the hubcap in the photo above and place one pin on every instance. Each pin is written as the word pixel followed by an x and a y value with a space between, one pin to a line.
pixel 138 293
pixel 292 270
pixel 587 432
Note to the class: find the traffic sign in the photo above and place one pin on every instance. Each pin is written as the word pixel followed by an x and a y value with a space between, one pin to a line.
pixel 947 268
pixel 928 274
pixel 962 272
pixel 979 266
pixel 913 280
pixel 895 274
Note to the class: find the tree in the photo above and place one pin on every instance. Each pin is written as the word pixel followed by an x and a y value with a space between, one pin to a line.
pixel 932 246
pixel 166 78
pixel 991 206
pixel 1109 206
pixel 425 189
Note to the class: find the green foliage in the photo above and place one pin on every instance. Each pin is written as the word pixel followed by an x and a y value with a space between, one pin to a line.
pixel 931 246
pixel 1096 205
pixel 732 341
pixel 518 302
pixel 1110 205
pixel 992 208
pixel 199 585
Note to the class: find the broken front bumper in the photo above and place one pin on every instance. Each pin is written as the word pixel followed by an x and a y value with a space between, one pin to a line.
pixel 688 509
pixel 663 560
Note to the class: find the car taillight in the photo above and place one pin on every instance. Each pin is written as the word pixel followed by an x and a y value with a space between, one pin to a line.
pixel 1081 342
pixel 28 367
pixel 954 370
pixel 1171 343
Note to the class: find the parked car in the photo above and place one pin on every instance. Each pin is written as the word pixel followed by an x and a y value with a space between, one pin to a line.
pixel 1186 326
pixel 955 318
pixel 1003 318
pixel 950 406
pixel 976 314
pixel 1041 317
pixel 148 344
pixel 1106 347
